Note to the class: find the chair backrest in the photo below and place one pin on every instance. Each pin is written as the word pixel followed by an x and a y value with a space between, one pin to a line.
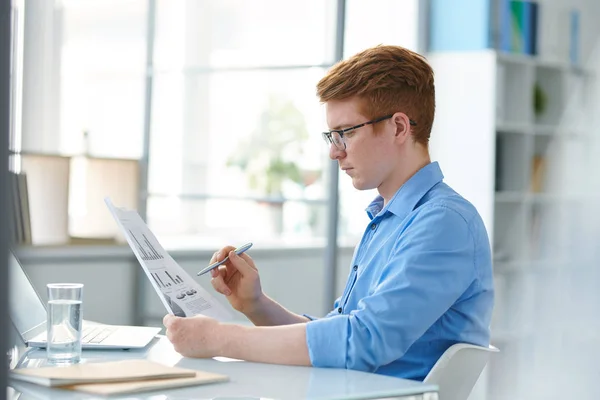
pixel 458 369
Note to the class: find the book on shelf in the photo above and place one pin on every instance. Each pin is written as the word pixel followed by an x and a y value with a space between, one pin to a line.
pixel 115 377
pixel 534 240
pixel 559 28
pixel 538 170
pixel 15 223
pixel 574 33
pixel 24 206
pixel 48 197
pixel 19 208
pixel 94 179
pixel 517 26
pixel 57 199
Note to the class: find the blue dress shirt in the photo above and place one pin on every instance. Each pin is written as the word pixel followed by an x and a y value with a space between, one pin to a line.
pixel 420 281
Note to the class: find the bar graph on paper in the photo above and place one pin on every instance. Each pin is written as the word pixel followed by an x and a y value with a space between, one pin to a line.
pixel 147 251
pixel 165 279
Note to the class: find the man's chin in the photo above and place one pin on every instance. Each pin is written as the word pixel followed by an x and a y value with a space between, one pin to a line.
pixel 359 185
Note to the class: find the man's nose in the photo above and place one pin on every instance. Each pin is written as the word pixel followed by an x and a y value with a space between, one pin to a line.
pixel 335 153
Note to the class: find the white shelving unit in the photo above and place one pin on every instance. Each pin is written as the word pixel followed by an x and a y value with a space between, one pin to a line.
pixel 516 162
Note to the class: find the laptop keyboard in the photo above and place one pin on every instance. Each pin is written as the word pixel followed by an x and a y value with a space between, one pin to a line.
pixel 96 334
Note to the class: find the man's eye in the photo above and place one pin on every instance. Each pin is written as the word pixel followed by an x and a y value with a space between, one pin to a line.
pixel 349 133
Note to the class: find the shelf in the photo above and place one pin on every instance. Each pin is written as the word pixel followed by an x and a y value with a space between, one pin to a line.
pixel 523 128
pixel 546 130
pixel 514 127
pixel 514 58
pixel 225 197
pixel 26 153
pixel 546 197
pixel 510 197
pixel 552 130
pixel 565 198
pixel 528 60
pixel 557 65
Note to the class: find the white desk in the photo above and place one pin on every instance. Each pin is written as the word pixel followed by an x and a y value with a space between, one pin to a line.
pixel 247 380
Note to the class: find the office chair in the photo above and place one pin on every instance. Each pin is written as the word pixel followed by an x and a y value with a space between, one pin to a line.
pixel 458 369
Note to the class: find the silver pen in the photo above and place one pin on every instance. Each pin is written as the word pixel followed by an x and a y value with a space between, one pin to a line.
pixel 212 266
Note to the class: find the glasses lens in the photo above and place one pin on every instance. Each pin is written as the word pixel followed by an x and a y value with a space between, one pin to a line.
pixel 337 140
pixel 326 138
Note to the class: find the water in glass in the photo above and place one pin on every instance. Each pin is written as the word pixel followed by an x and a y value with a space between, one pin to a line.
pixel 64 331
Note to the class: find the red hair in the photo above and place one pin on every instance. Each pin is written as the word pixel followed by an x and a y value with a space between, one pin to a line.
pixel 386 79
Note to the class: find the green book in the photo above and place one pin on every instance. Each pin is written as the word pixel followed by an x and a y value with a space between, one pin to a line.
pixel 517 28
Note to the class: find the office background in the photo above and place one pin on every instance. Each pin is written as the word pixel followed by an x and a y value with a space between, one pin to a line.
pixel 203 116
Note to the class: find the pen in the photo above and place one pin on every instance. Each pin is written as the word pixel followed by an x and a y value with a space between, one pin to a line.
pixel 212 266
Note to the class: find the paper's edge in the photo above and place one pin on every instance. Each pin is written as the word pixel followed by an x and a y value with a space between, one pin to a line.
pixel 133 248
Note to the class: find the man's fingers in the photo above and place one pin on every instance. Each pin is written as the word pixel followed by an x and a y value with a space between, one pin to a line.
pixel 242 264
pixel 168 320
pixel 218 283
pixel 249 260
pixel 221 271
pixel 221 254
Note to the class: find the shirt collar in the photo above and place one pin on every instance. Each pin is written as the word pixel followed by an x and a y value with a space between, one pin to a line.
pixel 409 194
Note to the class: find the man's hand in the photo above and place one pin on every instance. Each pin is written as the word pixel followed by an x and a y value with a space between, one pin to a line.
pixel 194 336
pixel 238 280
pixel 205 337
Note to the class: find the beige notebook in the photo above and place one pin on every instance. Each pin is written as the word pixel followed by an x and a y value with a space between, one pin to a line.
pixel 102 372
pixel 108 389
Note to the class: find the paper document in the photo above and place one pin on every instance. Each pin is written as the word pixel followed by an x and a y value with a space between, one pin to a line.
pixel 178 291
pixel 116 377
pixel 111 371
pixel 109 389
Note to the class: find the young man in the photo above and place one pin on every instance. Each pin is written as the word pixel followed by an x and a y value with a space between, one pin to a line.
pixel 421 277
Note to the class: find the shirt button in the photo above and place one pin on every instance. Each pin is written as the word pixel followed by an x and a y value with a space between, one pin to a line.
pixel 373 226
pixel 355 267
pixel 340 310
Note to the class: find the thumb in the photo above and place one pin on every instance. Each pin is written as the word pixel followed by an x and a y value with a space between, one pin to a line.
pixel 241 265
pixel 168 320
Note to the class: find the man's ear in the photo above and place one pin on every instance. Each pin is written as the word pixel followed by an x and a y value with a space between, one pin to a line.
pixel 402 123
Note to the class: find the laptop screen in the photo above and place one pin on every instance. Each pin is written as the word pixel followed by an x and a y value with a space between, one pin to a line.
pixel 27 311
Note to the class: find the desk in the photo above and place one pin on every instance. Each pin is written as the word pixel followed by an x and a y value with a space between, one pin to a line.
pixel 247 380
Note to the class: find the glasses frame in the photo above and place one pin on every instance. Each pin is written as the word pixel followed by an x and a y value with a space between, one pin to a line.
pixel 329 139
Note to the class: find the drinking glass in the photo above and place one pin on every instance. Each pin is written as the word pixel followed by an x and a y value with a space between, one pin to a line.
pixel 64 322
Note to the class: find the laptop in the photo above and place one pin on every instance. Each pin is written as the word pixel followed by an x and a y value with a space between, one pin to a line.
pixel 28 315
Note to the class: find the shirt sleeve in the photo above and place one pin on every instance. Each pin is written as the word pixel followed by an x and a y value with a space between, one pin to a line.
pixel 431 266
pixel 333 312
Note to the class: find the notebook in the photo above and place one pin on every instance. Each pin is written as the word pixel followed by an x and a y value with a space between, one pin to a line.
pixel 111 371
pixel 108 389
pixel 116 377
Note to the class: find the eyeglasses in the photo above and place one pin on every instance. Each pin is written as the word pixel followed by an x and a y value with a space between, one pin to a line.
pixel 336 136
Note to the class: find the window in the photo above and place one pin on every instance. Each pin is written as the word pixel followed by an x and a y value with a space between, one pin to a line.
pixel 81 125
pixel 233 121
pixel 235 141
pixel 84 77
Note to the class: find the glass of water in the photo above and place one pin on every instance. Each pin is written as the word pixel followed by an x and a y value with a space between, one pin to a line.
pixel 64 322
